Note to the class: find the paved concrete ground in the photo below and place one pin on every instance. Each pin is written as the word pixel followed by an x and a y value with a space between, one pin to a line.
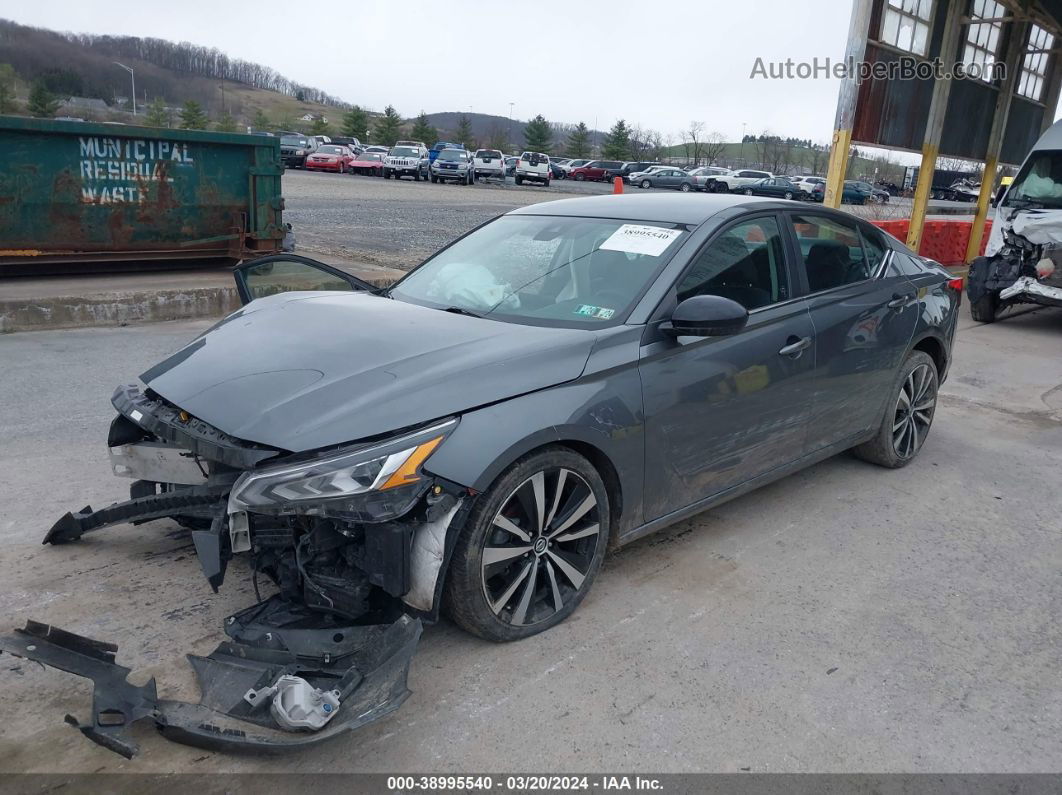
pixel 847 618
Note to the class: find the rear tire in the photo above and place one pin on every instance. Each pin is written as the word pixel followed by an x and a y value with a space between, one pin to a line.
pixel 984 309
pixel 908 415
pixel 519 181
pixel 539 574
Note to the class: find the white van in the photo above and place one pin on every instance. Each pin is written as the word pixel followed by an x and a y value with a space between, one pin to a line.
pixel 533 166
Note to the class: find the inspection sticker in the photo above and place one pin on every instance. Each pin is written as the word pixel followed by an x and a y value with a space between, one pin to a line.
pixel 638 239
pixel 598 312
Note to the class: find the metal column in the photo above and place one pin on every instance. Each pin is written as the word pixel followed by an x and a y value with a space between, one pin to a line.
pixel 938 107
pixel 1019 31
pixel 858 31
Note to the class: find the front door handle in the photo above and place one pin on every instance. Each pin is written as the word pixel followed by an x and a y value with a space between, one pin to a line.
pixel 795 346
pixel 900 300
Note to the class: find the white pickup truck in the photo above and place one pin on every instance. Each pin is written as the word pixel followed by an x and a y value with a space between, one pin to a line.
pixel 727 183
pixel 489 163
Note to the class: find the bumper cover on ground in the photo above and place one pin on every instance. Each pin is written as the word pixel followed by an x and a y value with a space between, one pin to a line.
pixel 368 663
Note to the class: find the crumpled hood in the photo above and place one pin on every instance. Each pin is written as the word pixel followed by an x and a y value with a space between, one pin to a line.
pixel 1036 226
pixel 299 371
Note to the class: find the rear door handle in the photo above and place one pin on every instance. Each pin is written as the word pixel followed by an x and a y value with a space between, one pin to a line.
pixel 795 346
pixel 900 300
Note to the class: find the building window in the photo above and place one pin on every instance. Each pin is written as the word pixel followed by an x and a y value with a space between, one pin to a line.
pixel 1034 66
pixel 905 25
pixel 982 39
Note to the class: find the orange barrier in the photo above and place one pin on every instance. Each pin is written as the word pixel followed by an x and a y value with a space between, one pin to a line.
pixel 944 241
pixel 617 184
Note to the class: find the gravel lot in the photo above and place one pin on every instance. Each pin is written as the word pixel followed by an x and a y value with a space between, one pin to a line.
pixel 399 223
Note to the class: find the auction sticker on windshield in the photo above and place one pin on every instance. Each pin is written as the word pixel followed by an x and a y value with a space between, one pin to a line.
pixel 638 239
pixel 598 312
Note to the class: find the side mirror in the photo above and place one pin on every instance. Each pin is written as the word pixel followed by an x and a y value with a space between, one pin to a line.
pixel 706 316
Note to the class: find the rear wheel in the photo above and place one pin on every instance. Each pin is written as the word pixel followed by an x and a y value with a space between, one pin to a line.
pixel 747 191
pixel 984 309
pixel 519 180
pixel 531 547
pixel 908 415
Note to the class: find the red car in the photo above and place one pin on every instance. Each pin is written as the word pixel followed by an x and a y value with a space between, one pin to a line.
pixel 368 163
pixel 603 170
pixel 330 157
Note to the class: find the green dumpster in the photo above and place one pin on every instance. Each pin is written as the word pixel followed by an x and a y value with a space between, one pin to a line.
pixel 83 193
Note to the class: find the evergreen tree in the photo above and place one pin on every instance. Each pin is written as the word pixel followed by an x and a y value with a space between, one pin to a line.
pixel 41 102
pixel 538 135
pixel 355 123
pixel 226 123
pixel 464 131
pixel 193 117
pixel 261 121
pixel 424 131
pixel 617 143
pixel 320 127
pixel 157 115
pixel 7 88
pixel 579 141
pixel 388 127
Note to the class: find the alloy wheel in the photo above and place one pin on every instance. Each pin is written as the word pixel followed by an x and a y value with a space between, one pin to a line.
pixel 914 411
pixel 540 547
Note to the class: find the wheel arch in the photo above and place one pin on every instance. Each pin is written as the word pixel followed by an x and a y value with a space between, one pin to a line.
pixel 931 343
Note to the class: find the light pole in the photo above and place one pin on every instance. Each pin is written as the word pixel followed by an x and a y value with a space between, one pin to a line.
pixel 509 145
pixel 132 77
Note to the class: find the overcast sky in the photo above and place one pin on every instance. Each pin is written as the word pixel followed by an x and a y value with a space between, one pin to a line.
pixel 658 64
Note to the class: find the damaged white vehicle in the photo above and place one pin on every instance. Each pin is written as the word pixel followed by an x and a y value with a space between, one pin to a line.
pixel 1023 262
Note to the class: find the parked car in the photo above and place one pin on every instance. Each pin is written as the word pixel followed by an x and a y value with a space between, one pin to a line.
pixel 807 182
pixel 489 163
pixel 533 166
pixel 667 178
pixel 438 146
pixel 368 163
pixel 453 165
pixel 634 177
pixel 350 142
pixel 555 171
pixel 510 165
pixel 406 159
pixel 601 170
pixel 702 174
pixel 476 437
pixel 778 187
pixel 295 148
pixel 378 148
pixel 1023 257
pixel 330 157
pixel 725 183
pixel 636 167
pixel 874 193
pixel 573 164
pixel 856 192
pixel 849 194
pixel 321 139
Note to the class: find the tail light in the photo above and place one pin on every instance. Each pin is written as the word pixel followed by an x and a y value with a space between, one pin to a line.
pixel 956 285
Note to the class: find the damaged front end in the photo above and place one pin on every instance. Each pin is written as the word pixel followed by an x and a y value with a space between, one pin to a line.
pixel 353 538
pixel 1024 263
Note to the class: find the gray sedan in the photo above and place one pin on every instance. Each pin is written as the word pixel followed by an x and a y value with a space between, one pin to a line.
pixel 563 380
pixel 667 178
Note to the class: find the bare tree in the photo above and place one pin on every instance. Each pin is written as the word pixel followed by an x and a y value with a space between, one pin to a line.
pixel 714 145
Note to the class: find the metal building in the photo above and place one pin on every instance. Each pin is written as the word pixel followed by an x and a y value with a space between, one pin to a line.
pixel 900 90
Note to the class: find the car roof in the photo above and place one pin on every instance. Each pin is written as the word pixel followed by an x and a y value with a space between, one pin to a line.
pixel 659 207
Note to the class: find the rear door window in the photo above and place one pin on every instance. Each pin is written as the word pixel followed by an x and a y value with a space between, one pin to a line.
pixel 832 251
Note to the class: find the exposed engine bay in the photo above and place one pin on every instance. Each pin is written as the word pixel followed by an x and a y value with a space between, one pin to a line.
pixel 1023 262
pixel 352 540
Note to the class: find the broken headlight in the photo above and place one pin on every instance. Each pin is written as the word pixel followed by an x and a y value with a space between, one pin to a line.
pixel 369 484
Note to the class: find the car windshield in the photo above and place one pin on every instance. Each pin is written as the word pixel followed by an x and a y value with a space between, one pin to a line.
pixel 404 151
pixel 1039 182
pixel 294 140
pixel 488 153
pixel 545 270
pixel 453 154
pixel 330 150
pixel 369 156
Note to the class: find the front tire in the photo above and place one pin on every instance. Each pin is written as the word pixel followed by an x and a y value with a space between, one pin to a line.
pixel 908 415
pixel 646 184
pixel 531 547
pixel 984 309
pixel 685 187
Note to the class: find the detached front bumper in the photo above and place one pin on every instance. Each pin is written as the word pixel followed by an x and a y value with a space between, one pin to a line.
pixel 1029 290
